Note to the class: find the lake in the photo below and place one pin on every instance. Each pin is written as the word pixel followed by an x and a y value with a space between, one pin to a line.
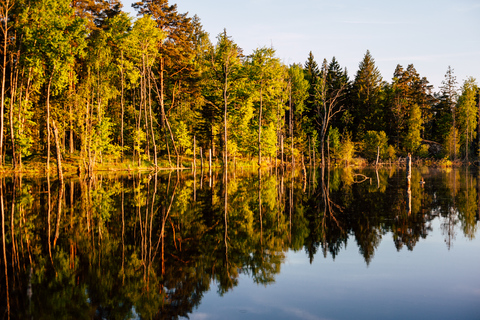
pixel 317 244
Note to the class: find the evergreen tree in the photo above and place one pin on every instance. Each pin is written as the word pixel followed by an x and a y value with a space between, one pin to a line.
pixel 328 103
pixel 337 78
pixel 300 125
pixel 407 90
pixel 312 74
pixel 367 97
pixel 449 99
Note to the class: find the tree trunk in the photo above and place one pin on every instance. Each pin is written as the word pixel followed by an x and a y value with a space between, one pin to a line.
pixel 13 89
pixel 151 120
pixel 48 122
pixel 122 106
pixel 225 87
pixel 162 103
pixel 478 125
pixel 291 119
pixel 281 146
pixel 210 161
pixel 2 106
pixel 59 154
pixel 260 126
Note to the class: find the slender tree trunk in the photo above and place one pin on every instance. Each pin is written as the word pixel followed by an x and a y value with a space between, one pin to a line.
pixel 59 154
pixel 210 162
pixel 290 105
pixel 70 116
pixel 13 89
pixel 48 122
pixel 260 126
pixel 454 137
pixel 194 154
pixel 309 154
pixel 4 71
pixel 225 87
pixel 151 120
pixel 478 128
pixel 162 103
pixel 281 145
pixel 122 105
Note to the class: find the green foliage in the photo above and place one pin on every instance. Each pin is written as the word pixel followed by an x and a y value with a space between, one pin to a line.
pixel 53 39
pixel 367 97
pixel 185 143
pixel 117 81
pixel 391 152
pixel 23 127
pixel 422 151
pixel 413 139
pixel 468 113
pixel 346 150
pixel 452 143
pixel 334 140
pixel 371 141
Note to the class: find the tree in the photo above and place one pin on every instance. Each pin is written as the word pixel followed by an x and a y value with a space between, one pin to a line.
pixel 372 141
pixel 367 97
pixel 146 38
pixel 53 38
pixel 312 74
pixel 449 98
pixel 298 93
pixel 337 78
pixel 413 139
pixel 467 113
pixel 408 89
pixel 5 8
pixel 328 103
pixel 222 78
pixel 267 74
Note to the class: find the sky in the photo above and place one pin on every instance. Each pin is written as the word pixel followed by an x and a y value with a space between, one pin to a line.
pixel 430 34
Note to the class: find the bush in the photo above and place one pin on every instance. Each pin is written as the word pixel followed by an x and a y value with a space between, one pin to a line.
pixel 346 150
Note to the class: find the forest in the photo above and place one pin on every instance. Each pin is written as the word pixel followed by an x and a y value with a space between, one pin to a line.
pixel 85 84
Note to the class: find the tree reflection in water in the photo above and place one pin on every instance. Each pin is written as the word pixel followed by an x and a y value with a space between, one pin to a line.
pixel 151 245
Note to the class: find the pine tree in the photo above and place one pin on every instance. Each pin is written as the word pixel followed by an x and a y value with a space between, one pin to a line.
pixel 367 97
pixel 449 99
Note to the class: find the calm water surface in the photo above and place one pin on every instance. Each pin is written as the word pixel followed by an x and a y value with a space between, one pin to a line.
pixel 269 245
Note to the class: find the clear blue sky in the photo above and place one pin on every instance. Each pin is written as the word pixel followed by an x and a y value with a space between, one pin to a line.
pixel 430 34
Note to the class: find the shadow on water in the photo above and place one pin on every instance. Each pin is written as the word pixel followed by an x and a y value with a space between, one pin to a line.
pixel 151 246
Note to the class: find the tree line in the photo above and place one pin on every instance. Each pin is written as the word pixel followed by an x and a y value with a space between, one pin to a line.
pixel 82 79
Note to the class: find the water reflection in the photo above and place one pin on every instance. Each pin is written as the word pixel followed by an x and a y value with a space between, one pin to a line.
pixel 151 246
